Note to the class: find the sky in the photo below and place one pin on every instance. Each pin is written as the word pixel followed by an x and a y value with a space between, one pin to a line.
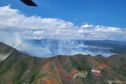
pixel 64 20
pixel 96 12
pixel 15 26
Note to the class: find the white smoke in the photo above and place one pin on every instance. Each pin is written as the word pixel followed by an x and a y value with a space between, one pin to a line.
pixel 15 27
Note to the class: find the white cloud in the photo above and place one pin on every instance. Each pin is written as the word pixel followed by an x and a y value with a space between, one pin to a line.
pixel 15 25
pixel 13 18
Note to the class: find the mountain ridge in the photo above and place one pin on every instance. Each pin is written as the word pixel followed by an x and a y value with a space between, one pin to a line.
pixel 20 68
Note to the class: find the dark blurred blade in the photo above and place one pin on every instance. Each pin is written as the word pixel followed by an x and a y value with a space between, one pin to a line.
pixel 29 2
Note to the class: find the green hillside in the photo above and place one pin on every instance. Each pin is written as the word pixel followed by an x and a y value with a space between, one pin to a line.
pixel 20 68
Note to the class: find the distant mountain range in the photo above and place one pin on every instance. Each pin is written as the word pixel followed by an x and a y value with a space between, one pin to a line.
pixel 20 68
pixel 54 47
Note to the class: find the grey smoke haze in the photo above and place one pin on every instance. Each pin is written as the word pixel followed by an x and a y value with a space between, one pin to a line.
pixel 18 30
